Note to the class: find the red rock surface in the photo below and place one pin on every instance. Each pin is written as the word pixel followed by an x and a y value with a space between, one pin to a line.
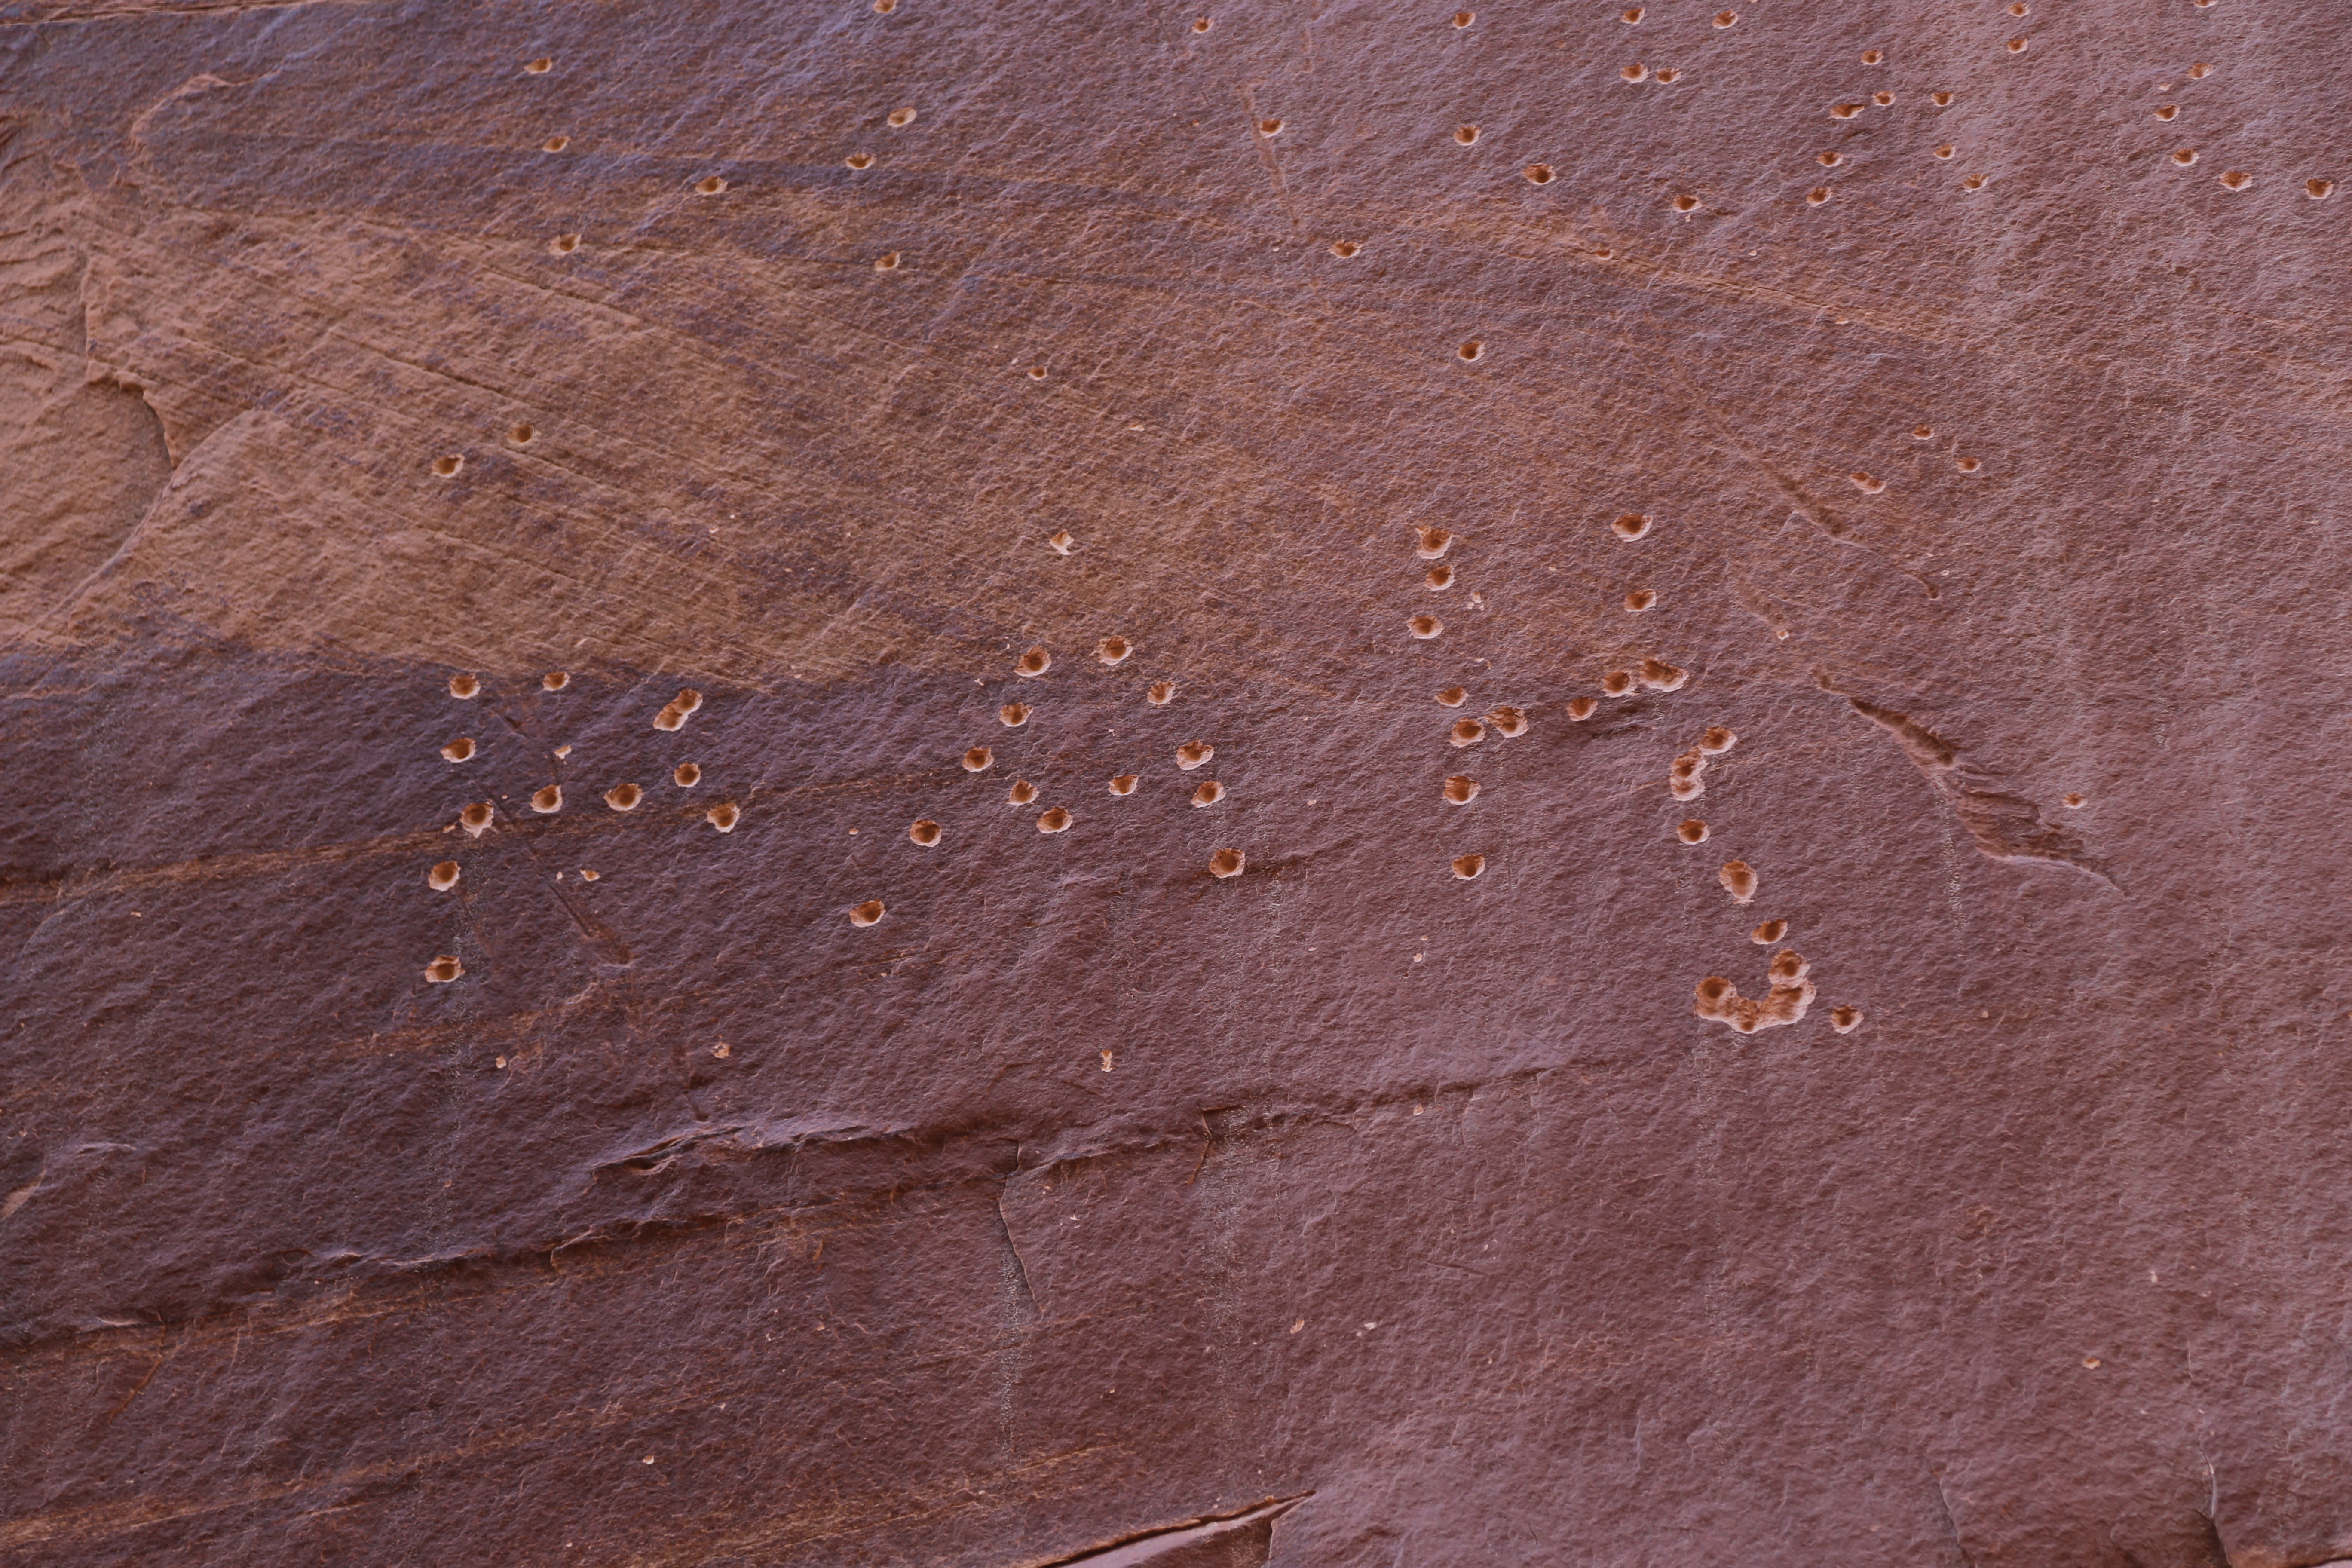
pixel 1386 1201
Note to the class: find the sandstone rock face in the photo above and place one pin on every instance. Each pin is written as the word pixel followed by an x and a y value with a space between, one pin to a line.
pixel 889 782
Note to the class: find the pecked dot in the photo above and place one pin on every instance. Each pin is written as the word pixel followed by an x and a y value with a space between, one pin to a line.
pixel 2201 70
pixel 2072 801
pixel 2167 112
pixel 1056 820
pixel 1882 99
pixel 624 797
pixel 475 818
pixel 1738 879
pixel 1468 866
pixel 541 66
pixel 1946 151
pixel 871 911
pixel 443 876
pixel 1844 111
pixel 887 263
pixel 1439 577
pixel 447 468
pixel 1193 753
pixel 1769 933
pixel 1726 18
pixel 2017 7
pixel 1033 664
pixel 1424 628
pixel 1635 72
pixel 1160 693
pixel 1940 99
pixel 1451 697
pixel 1538 174
pixel 1344 248
pixel 686 775
pixel 1685 204
pixel 723 817
pixel 1022 793
pixel 1434 542
pixel 1872 58
pixel 464 687
pixel 1473 350
pixel 1969 465
pixel 1818 195
pixel 710 185
pixel 2237 179
pixel 1509 722
pixel 1226 863
pixel 1692 831
pixel 1113 650
pixel 1015 714
pixel 1973 183
pixel 1461 790
pixel 1922 432
pixel 1632 525
pixel 1670 75
pixel 1582 708
pixel 923 831
pixel 554 680
pixel 1640 599
pixel 1846 1021
pixel 443 970
pixel 1866 483
pixel 1659 675
pixel 555 144
pixel 1208 793
pixel 564 244
pixel 522 435
pixel 2016 46
pixel 1202 24
pixel 2185 156
pixel 1124 784
pixel 458 750
pixel 2318 190
pixel 884 8
pixel 1269 127
pixel 977 760
pixel 1062 544
pixel 899 119
pixel 1037 372
pixel 1464 18
pixel 1465 732
pixel 860 161
pixel 1716 740
pixel 1466 135
pixel 1617 682
pixel 1632 14
pixel 549 801
pixel 1830 160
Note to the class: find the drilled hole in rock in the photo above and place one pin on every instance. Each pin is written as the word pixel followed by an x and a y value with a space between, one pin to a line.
pixel 1692 831
pixel 1439 577
pixel 443 876
pixel 2167 112
pixel 464 687
pixel 1208 793
pixel 1973 183
pixel 1471 350
pixel 1539 173
pixel 458 750
pixel 1465 732
pixel 1509 720
pixel 686 775
pixel 1866 483
pixel 723 817
pixel 624 797
pixel 1193 753
pixel 1818 195
pixel 555 143
pixel 2201 70
pixel 900 118
pixel 1225 863
pixel 1883 99
pixel 1451 697
pixel 1632 525
pixel 1062 544
pixel 1738 879
pixel 1969 465
pixel 1022 793
pixel 1433 542
pixel 888 263
pixel 1124 784
pixel 1940 99
pixel 475 817
pixel 1846 1021
pixel 1670 75
pixel 1726 18
pixel 1055 820
pixel 541 66
pixel 2185 156
pixel 1345 247
pixel 924 831
pixel 2015 45
pixel 860 161
pixel 1464 18
pixel 1013 714
pixel 1113 650
pixel 564 244
pixel 1617 682
pixel 1769 933
pixel 710 184
pixel 447 468
pixel 1461 789
pixel 1636 72
pixel 1640 599
pixel 548 801
pixel 1033 664
pixel 2237 179
pixel 1844 111
pixel 1160 693
pixel 871 911
pixel 977 760
pixel 1946 151
pixel 1424 628
pixel 1582 708
pixel 1468 866
pixel 1659 675
pixel 443 970
pixel 1872 57
pixel 1685 204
